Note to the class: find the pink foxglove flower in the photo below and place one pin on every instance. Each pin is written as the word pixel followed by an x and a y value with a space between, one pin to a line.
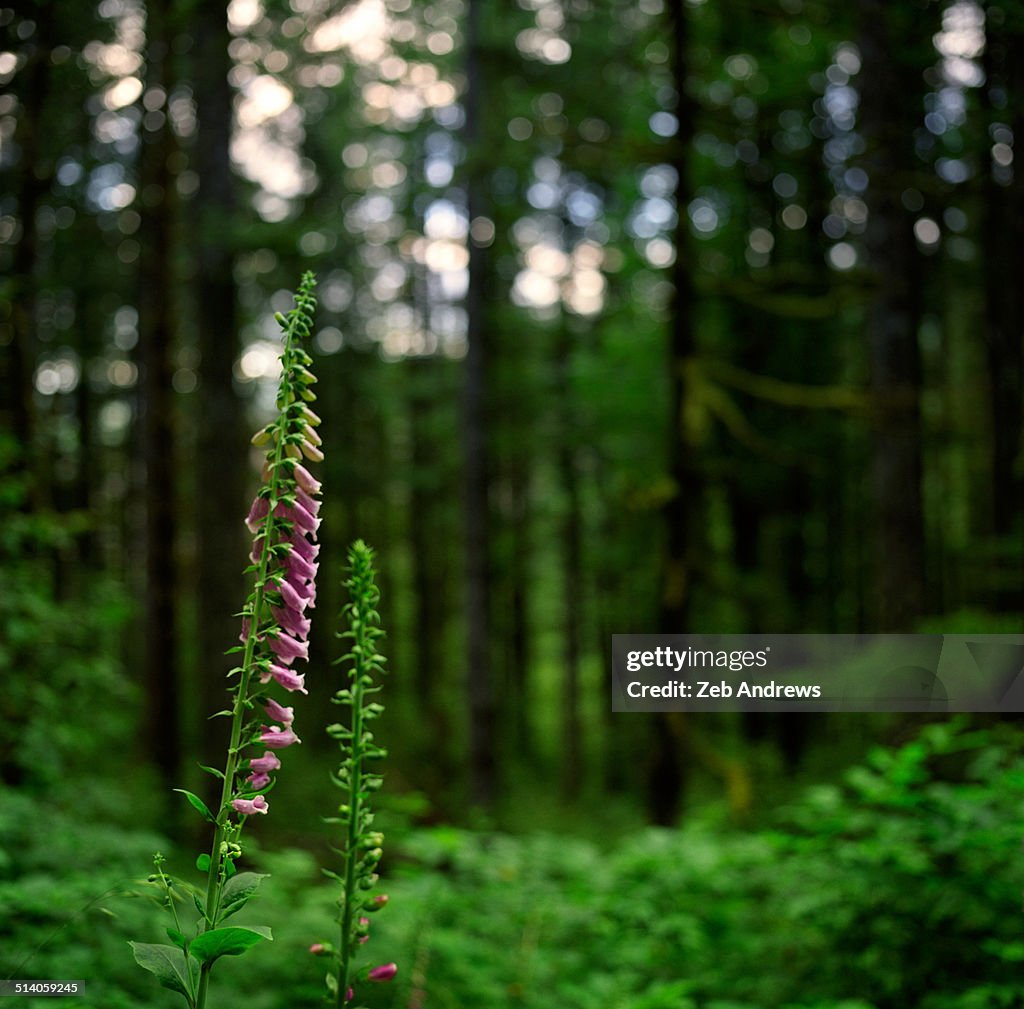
pixel 303 520
pixel 279 714
pixel 299 569
pixel 306 480
pixel 310 503
pixel 277 738
pixel 250 806
pixel 287 649
pixel 291 597
pixel 265 764
pixel 257 514
pixel 303 547
pixel 287 678
pixel 258 780
pixel 385 972
pixel 291 621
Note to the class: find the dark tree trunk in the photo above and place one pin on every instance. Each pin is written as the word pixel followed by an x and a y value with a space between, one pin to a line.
pixel 890 111
pixel 156 403
pixel 519 622
pixel 428 569
pixel 1004 297
pixel 666 779
pixel 573 579
pixel 31 184
pixel 482 712
pixel 222 436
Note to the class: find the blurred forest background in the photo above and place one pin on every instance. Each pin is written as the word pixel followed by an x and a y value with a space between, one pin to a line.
pixel 635 315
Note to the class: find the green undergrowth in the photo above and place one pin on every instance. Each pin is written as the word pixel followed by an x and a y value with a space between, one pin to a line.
pixel 899 887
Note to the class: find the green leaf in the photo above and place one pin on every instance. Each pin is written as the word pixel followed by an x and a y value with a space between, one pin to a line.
pixel 213 771
pixel 177 938
pixel 231 941
pixel 168 965
pixel 239 890
pixel 203 862
pixel 197 803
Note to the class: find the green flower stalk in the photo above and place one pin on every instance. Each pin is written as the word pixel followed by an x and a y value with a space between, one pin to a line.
pixel 362 849
pixel 275 629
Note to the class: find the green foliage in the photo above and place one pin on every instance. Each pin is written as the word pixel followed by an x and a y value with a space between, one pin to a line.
pixel 58 644
pixel 231 941
pixel 69 899
pixel 899 889
pixel 170 966
pixel 362 849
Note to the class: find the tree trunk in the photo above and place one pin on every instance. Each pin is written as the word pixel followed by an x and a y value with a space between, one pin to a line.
pixel 573 578
pixel 428 569
pixel 1004 299
pixel 31 184
pixel 156 404
pixel 666 780
pixel 222 436
pixel 890 111
pixel 482 713
pixel 519 617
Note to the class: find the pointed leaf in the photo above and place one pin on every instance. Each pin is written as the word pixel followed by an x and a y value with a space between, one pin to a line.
pixel 197 803
pixel 203 862
pixel 231 941
pixel 177 938
pixel 240 888
pixel 168 965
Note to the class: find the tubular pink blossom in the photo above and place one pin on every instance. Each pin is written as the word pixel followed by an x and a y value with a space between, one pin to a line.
pixel 303 547
pixel 298 566
pixel 385 972
pixel 258 780
pixel 311 504
pixel 300 516
pixel 265 764
pixel 280 714
pixel 305 479
pixel 291 598
pixel 250 806
pixel 291 621
pixel 277 738
pixel 257 513
pixel 287 678
pixel 303 587
pixel 288 649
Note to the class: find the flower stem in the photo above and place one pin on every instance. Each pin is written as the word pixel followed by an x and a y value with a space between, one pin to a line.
pixel 216 872
pixel 354 822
